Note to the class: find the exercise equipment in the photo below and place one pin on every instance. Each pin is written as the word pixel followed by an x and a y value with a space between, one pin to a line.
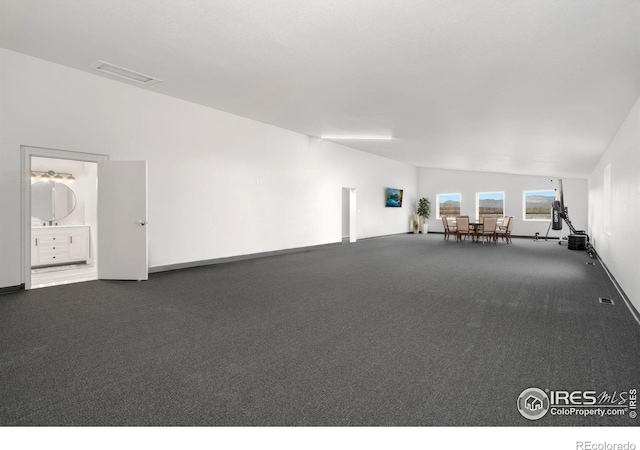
pixel 578 239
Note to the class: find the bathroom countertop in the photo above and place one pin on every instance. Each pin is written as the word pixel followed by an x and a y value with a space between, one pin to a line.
pixel 58 226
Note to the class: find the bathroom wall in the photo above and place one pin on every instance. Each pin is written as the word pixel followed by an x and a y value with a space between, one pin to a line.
pixel 77 168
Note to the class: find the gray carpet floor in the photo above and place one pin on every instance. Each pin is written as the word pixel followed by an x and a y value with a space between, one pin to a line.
pixel 395 331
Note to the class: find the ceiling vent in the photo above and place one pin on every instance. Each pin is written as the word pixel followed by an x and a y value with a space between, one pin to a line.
pixel 121 72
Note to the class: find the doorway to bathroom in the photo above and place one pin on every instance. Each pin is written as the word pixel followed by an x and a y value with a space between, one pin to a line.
pixel 60 215
pixel 56 237
pixel 64 221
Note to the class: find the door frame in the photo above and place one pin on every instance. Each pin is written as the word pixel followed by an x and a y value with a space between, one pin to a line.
pixel 25 195
pixel 353 213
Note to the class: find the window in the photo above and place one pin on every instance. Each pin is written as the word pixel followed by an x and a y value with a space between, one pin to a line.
pixel 489 204
pixel 537 204
pixel 448 205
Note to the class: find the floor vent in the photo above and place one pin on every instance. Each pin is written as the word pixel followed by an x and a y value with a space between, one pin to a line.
pixel 607 301
pixel 591 264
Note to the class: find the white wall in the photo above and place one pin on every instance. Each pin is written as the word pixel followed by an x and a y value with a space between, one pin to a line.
pixel 619 249
pixel 440 181
pixel 219 185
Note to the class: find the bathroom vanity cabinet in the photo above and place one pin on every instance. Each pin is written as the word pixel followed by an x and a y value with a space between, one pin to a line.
pixel 59 245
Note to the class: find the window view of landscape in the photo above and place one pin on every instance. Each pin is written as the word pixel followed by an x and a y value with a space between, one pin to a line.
pixel 449 205
pixel 538 204
pixel 490 204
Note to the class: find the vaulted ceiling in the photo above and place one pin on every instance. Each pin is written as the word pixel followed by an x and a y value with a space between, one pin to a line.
pixel 515 86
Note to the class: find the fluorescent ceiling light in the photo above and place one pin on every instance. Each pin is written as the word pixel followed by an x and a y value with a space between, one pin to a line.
pixel 362 138
pixel 121 72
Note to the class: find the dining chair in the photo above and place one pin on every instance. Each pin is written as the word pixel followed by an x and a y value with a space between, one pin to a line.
pixel 452 224
pixel 489 225
pixel 462 227
pixel 509 227
pixel 445 226
pixel 504 231
pixel 467 217
pixel 501 229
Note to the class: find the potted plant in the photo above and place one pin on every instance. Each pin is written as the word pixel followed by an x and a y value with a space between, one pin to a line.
pixel 424 211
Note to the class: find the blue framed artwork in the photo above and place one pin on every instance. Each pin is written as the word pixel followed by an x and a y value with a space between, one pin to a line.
pixel 394 198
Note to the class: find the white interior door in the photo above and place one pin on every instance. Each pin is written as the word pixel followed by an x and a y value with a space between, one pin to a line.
pixel 122 220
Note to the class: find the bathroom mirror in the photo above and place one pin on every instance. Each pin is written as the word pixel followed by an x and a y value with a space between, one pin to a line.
pixel 51 200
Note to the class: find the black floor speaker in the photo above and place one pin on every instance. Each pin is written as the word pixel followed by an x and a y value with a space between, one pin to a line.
pixel 577 242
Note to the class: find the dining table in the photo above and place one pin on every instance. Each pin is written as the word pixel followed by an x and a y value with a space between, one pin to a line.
pixel 476 228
